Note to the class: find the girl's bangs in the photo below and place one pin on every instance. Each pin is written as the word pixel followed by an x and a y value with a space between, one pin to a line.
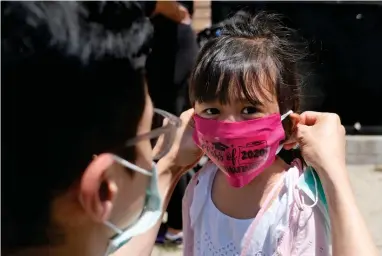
pixel 230 82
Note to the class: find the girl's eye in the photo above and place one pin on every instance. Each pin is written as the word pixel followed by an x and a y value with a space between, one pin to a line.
pixel 249 110
pixel 211 111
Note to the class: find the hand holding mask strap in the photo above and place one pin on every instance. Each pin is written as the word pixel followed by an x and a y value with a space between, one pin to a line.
pixel 308 176
pixel 282 118
pixel 151 213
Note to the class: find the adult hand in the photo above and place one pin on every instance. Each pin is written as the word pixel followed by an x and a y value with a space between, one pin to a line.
pixel 185 17
pixel 321 137
pixel 322 141
pixel 174 11
pixel 182 156
pixel 184 153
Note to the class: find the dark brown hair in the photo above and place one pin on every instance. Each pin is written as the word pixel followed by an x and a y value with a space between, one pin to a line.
pixel 252 51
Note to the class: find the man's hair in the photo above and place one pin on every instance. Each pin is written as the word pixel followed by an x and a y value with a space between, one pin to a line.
pixel 73 86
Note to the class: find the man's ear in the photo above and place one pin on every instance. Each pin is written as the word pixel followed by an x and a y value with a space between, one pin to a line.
pixel 292 142
pixel 97 190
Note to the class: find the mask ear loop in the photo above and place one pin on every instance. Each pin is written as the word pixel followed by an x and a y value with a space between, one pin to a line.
pixel 316 191
pixel 113 227
pixel 131 166
pixel 286 114
pixel 279 149
pixel 311 170
pixel 282 118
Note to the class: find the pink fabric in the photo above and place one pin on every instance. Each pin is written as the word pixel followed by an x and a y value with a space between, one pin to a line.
pixel 188 233
pixel 306 233
pixel 242 150
pixel 265 206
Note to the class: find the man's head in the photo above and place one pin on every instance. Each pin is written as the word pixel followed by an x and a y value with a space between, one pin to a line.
pixel 73 87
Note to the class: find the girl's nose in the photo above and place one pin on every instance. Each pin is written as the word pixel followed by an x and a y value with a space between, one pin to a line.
pixel 231 118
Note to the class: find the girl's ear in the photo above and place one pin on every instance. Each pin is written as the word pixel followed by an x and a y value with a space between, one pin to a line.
pixel 292 141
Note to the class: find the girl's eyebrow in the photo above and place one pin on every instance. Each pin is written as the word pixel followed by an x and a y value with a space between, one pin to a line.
pixel 209 101
pixel 245 101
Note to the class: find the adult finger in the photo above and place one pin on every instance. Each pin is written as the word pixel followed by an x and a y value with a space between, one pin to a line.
pixel 310 118
pixel 157 148
pixel 343 130
pixel 186 117
pixel 303 134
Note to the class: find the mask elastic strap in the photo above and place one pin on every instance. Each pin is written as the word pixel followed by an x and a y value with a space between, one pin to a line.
pixel 135 168
pixel 113 227
pixel 279 148
pixel 286 114
pixel 282 118
pixel 316 190
pixel 131 166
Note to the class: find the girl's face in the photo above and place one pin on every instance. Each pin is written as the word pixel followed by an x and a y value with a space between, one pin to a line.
pixel 238 109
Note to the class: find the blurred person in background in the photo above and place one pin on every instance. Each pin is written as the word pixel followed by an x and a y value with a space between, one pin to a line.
pixel 169 66
pixel 173 55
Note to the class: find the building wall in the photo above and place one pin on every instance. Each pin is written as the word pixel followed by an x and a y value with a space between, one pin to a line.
pixel 202 15
pixel 345 42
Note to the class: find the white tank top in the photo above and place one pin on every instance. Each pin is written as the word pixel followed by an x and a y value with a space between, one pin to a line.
pixel 218 234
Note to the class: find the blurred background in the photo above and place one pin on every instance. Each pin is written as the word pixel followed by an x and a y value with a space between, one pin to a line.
pixel 345 40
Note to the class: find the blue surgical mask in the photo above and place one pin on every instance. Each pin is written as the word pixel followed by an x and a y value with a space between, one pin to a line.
pixel 311 184
pixel 152 210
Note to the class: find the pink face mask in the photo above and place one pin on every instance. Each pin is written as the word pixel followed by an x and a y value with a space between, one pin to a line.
pixel 242 150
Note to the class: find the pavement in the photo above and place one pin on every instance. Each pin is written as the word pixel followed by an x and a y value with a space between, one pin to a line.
pixel 367 186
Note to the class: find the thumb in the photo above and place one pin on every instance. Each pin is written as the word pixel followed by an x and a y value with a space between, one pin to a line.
pixel 302 133
pixel 310 117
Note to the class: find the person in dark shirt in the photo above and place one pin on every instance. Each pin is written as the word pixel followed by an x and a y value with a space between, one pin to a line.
pixel 169 66
pixel 172 10
pixel 174 50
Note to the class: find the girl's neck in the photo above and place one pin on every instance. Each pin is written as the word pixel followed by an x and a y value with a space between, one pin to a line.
pixel 234 202
pixel 269 176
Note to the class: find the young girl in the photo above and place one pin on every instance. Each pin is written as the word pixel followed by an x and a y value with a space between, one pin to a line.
pixel 248 201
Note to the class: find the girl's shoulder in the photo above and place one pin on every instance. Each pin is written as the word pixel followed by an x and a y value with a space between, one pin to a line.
pixel 201 178
pixel 204 174
pixel 197 192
